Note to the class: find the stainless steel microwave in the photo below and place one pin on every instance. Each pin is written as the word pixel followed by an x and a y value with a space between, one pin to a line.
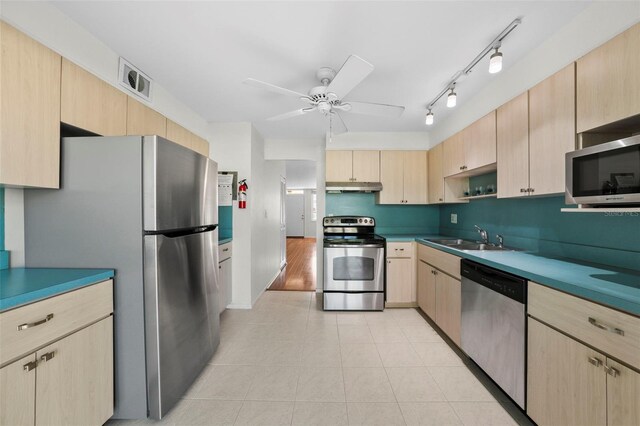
pixel 604 174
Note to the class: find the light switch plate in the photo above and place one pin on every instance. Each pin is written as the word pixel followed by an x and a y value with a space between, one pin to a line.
pixel 454 218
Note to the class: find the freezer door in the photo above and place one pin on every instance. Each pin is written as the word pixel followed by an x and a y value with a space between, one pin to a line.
pixel 181 313
pixel 180 186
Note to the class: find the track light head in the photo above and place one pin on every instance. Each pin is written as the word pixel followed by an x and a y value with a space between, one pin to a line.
pixel 429 119
pixel 451 99
pixel 495 62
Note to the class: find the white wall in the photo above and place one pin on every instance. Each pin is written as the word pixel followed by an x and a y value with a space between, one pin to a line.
pixel 301 174
pixel 379 141
pixel 598 23
pixel 45 23
pixel 309 224
pixel 305 149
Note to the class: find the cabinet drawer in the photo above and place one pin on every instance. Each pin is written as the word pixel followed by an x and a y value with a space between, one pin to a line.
pixel 224 252
pixel 444 261
pixel 399 249
pixel 65 313
pixel 610 331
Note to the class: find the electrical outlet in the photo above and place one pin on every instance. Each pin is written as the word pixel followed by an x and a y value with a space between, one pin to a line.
pixel 454 218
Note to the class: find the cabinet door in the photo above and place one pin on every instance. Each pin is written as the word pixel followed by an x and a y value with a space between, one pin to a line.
pixel 18 392
pixel 142 120
pixel 608 82
pixel 29 111
pixel 552 130
pixel 415 177
pixel 90 103
pixel 75 378
pixel 178 134
pixel 448 304
pixel 453 155
pixel 366 166
pixel 200 145
pixel 427 289
pixel 339 166
pixel 224 284
pixel 512 124
pixel 392 169
pixel 623 395
pixel 400 282
pixel 563 386
pixel 480 142
pixel 436 178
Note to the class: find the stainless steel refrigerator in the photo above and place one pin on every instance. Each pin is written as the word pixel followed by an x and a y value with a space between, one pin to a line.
pixel 147 208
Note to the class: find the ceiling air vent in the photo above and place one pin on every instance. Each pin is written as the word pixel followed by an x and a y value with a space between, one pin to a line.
pixel 134 80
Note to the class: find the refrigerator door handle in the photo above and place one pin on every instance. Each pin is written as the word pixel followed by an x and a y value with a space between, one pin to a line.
pixel 183 232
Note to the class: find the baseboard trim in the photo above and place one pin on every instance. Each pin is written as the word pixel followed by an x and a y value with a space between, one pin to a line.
pixel 401 305
pixel 238 306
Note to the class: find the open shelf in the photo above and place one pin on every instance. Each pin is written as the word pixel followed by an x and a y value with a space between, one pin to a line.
pixel 601 210
pixel 478 197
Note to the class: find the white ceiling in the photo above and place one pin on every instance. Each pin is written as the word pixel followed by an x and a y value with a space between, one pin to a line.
pixel 202 51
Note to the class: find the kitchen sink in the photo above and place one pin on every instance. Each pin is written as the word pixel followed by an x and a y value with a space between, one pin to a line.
pixel 466 245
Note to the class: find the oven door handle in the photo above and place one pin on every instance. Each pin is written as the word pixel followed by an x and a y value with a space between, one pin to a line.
pixel 354 246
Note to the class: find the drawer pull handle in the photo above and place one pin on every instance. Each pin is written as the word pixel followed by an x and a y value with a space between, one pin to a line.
pixel 30 366
pixel 34 324
pixel 595 361
pixel 226 249
pixel 612 371
pixel 595 323
pixel 47 357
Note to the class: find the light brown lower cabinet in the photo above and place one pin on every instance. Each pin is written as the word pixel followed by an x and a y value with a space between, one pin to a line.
pixel 400 284
pixel 426 289
pixel 569 383
pixel 69 382
pixel 448 304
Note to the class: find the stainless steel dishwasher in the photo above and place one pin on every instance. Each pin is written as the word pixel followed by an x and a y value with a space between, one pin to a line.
pixel 493 325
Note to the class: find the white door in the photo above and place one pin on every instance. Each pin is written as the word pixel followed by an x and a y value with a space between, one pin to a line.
pixel 283 224
pixel 295 215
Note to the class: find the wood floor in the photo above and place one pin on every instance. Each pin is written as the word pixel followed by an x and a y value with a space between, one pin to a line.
pixel 300 272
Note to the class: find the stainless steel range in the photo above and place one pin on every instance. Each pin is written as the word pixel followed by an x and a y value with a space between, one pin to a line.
pixel 354 267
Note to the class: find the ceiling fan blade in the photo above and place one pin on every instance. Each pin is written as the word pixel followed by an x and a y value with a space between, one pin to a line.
pixel 354 70
pixel 380 110
pixel 273 88
pixel 295 113
pixel 336 124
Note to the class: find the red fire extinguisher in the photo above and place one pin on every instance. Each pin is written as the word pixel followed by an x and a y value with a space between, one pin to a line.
pixel 242 194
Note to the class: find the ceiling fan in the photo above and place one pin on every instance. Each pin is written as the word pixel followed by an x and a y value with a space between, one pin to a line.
pixel 328 98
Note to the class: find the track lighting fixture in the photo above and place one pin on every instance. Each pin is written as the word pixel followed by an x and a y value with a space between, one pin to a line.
pixel 451 98
pixel 495 66
pixel 429 120
pixel 495 61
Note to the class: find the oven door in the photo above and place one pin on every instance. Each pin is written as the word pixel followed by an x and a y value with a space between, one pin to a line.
pixel 354 268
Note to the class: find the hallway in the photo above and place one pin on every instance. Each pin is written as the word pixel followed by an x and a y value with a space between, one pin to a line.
pixel 300 272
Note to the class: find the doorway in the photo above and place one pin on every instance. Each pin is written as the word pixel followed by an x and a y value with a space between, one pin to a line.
pixel 299 217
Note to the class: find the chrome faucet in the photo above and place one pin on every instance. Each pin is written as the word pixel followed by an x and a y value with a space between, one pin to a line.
pixel 500 239
pixel 483 234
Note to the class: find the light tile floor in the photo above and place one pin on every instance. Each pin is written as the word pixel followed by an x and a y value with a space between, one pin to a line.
pixel 286 362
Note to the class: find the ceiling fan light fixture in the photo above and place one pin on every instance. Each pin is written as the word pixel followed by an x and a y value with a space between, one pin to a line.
pixel 495 62
pixel 324 107
pixel 451 99
pixel 429 119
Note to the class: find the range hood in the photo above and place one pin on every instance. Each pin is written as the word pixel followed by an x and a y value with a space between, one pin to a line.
pixel 337 187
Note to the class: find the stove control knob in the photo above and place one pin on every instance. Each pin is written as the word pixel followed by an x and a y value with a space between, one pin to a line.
pixel 360 220
pixel 333 220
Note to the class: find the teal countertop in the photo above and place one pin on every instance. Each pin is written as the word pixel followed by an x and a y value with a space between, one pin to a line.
pixel 401 238
pixel 615 287
pixel 21 286
pixel 224 241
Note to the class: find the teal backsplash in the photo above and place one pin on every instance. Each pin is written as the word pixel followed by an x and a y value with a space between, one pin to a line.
pixel 225 222
pixel 390 219
pixel 4 256
pixel 538 225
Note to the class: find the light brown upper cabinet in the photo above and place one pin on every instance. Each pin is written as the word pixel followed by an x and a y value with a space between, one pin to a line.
pixel 453 155
pixel 184 137
pixel 480 142
pixel 403 175
pixel 29 111
pixel 352 166
pixel 552 131
pixel 608 82
pixel 90 103
pixel 513 147
pixel 142 120
pixel 436 176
